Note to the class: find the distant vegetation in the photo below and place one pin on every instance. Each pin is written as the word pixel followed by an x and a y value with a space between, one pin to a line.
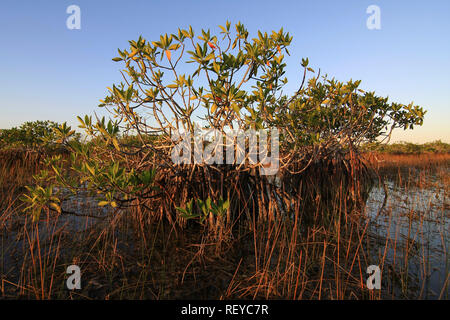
pixel 29 134
pixel 409 148
pixel 33 134
pixel 45 133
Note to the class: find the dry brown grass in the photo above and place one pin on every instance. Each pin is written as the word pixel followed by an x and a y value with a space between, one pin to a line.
pixel 386 160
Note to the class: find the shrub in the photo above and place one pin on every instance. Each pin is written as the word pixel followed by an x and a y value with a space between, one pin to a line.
pixel 225 82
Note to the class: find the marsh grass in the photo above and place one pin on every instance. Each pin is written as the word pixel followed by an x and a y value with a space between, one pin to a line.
pixel 316 245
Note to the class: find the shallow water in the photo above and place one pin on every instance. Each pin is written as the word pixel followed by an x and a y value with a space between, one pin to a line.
pixel 408 232
pixel 414 220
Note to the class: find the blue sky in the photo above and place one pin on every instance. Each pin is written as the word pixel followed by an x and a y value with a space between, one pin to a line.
pixel 50 72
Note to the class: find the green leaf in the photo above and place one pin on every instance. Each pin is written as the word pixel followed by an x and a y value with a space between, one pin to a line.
pixel 116 144
pixel 187 216
pixel 103 203
pixel 226 204
pixel 182 210
pixel 91 170
pixel 56 207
